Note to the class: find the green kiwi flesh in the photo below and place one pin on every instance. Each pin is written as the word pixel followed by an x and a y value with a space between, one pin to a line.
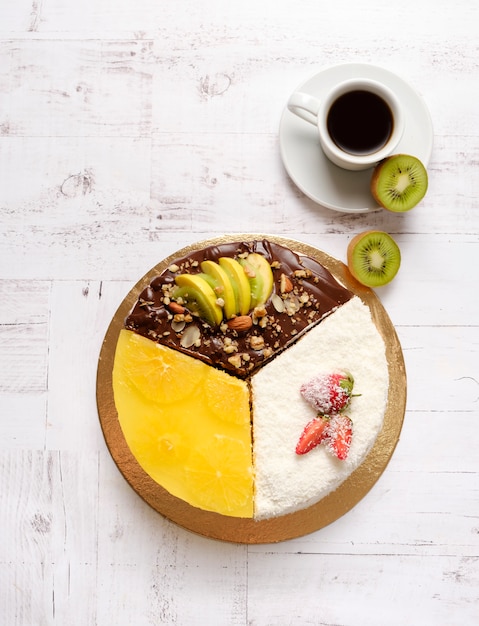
pixel 373 258
pixel 399 182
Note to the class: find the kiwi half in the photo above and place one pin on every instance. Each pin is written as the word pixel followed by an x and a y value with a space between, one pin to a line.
pixel 373 258
pixel 399 182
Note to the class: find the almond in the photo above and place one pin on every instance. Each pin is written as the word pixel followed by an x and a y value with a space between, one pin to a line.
pixel 240 323
pixel 176 308
pixel 285 285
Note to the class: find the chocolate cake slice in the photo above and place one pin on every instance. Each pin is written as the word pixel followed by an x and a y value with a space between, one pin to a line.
pixel 304 293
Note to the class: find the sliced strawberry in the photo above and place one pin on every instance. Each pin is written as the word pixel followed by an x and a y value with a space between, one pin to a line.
pixel 313 434
pixel 339 433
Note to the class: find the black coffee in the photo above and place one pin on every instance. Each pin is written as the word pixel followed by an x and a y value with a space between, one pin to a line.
pixel 360 122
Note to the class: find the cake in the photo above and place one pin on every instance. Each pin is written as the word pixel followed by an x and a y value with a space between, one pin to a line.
pixel 215 380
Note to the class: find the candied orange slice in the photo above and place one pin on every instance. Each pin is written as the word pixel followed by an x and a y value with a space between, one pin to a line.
pixel 227 397
pixel 186 423
pixel 221 477
pixel 155 370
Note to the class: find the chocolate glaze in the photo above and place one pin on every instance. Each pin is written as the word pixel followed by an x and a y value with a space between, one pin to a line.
pixel 315 294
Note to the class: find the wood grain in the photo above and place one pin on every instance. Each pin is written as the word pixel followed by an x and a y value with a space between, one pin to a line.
pixel 129 130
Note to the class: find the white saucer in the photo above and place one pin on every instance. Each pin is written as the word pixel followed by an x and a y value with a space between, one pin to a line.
pixel 315 175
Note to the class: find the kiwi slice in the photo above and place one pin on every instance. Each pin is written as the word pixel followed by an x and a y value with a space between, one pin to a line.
pixel 399 182
pixel 373 258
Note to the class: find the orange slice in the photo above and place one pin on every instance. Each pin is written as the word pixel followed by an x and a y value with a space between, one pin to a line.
pixel 155 370
pixel 221 477
pixel 186 423
pixel 227 398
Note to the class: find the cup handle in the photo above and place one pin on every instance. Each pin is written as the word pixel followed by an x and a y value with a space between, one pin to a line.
pixel 304 106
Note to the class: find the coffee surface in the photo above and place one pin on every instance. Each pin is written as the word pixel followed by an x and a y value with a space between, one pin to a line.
pixel 360 122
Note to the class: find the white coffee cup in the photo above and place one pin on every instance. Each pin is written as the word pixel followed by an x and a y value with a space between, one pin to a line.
pixel 360 121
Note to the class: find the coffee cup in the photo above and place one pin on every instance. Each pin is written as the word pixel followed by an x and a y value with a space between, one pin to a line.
pixel 359 121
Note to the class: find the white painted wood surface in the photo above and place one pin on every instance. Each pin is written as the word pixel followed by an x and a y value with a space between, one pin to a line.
pixel 131 128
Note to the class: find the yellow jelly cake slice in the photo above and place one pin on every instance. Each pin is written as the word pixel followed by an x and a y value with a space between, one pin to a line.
pixel 186 423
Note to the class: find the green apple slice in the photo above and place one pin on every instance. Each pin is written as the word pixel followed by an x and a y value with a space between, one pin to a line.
pixel 199 297
pixel 260 276
pixel 223 287
pixel 239 282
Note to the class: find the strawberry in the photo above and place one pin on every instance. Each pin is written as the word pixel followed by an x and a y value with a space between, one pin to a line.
pixel 339 434
pixel 329 393
pixel 312 435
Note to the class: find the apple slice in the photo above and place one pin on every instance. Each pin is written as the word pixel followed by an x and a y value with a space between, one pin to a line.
pixel 199 297
pixel 222 286
pixel 260 276
pixel 239 282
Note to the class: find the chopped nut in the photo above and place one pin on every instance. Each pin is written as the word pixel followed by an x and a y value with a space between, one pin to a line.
pixel 292 305
pixel 303 273
pixel 173 268
pixel 263 322
pixel 285 284
pixel 235 361
pixel 142 302
pixel 256 342
pixel 259 311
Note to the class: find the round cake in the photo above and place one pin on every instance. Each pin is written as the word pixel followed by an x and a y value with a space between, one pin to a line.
pixel 248 382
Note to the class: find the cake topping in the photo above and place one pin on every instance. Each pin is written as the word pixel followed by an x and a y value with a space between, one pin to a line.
pixel 339 435
pixel 329 393
pixel 313 434
pixel 225 289
pixel 336 432
pixel 282 293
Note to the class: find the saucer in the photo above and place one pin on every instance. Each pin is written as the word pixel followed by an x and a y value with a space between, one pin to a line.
pixel 326 183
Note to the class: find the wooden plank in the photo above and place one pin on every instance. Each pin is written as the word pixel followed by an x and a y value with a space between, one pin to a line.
pixel 354 590
pixel 75 88
pixel 73 356
pixel 24 311
pixel 49 520
pixel 451 381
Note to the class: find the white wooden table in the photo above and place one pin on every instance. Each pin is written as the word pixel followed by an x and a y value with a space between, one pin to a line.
pixel 129 129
